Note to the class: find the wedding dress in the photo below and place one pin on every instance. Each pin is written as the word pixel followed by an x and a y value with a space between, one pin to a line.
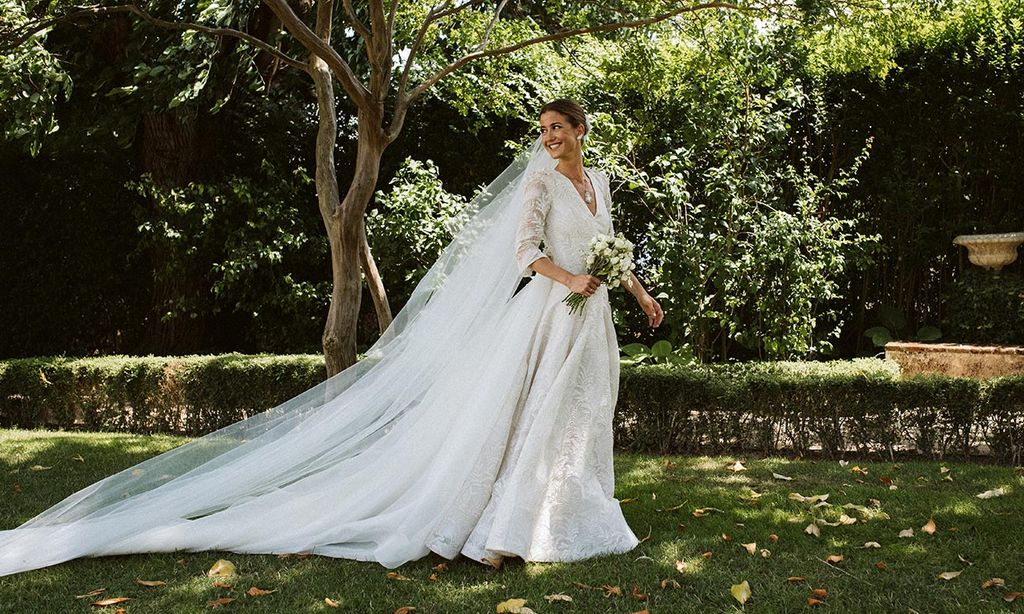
pixel 480 423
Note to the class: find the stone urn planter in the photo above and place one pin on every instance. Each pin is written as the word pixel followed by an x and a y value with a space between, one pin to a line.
pixel 993 251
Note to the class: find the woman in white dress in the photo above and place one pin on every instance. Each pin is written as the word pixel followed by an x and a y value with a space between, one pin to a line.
pixel 480 422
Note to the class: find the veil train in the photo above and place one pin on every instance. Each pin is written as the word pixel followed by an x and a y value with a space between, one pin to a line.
pixel 368 464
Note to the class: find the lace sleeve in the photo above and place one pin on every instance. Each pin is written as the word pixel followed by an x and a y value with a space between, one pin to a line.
pixel 530 233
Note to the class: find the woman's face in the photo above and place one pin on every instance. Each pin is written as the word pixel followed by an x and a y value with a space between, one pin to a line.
pixel 560 137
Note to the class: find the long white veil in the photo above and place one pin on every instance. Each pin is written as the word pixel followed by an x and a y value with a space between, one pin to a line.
pixel 362 465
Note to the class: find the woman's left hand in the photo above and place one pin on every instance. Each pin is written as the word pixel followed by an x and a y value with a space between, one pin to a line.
pixel 653 310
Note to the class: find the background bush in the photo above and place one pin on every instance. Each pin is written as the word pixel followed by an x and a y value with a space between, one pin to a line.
pixel 859 406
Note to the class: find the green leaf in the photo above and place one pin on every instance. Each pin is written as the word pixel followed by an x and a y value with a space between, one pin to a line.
pixel 928 333
pixel 661 349
pixel 635 349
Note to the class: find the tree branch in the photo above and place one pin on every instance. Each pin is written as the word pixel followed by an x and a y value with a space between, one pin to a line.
pixel 609 27
pixel 357 25
pixel 30 30
pixel 486 38
pixel 342 71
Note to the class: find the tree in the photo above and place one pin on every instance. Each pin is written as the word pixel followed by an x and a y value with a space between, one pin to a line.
pixel 436 42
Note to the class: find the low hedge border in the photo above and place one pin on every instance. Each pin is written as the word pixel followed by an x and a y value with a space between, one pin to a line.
pixel 860 405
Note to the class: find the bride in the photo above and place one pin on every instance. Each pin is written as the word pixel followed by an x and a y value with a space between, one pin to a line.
pixel 479 423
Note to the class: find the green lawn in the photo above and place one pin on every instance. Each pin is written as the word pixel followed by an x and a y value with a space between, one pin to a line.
pixel 982 538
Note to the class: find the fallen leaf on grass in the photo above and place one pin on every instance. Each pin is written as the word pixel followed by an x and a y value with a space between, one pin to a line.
pixel 628 500
pixel 332 603
pixel 610 590
pixel 217 603
pixel 433 577
pixel 1011 597
pixel 794 579
pixel 907 533
pixel 963 560
pixel 638 595
pixel 650 528
pixel 440 567
pixel 102 603
pixel 222 568
pixel 949 575
pixel 813 499
pixel 741 592
pixel 708 555
pixel 751 548
pixel 812 529
pixel 669 583
pixel 765 553
pixel 554 598
pixel 405 609
pixel 673 508
pixel 150 582
pixel 39 468
pixel 819 593
pixel 510 605
pixel 91 593
pixel 704 511
pixel 737 467
pixel 78 458
pixel 871 545
pixel 812 602
pixel 394 575
pixel 858 470
pixel 726 537
pixel 929 527
pixel 779 476
pixel 880 565
pixel 224 586
pixel 993 582
pixel 988 494
pixel 834 559
pixel 258 592
pixel 773 538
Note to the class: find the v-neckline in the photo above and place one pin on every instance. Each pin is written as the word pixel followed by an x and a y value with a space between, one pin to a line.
pixel 597 207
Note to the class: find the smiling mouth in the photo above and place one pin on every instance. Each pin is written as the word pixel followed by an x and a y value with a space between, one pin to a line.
pixel 554 145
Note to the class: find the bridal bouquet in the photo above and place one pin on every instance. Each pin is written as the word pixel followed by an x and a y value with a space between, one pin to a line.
pixel 610 260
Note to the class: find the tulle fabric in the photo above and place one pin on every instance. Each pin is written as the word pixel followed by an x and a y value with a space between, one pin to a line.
pixel 371 464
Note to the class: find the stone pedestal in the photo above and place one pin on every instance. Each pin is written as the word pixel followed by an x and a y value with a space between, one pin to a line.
pixel 956 360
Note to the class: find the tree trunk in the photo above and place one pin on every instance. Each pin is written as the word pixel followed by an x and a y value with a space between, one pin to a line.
pixel 376 285
pixel 344 222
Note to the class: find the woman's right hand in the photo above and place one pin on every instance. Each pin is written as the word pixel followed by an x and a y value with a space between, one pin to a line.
pixel 584 284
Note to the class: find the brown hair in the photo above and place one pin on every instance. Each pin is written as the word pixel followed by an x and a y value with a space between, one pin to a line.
pixel 570 109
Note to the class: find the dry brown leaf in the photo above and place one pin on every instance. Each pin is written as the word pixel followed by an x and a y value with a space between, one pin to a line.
pixel 559 597
pixel 258 592
pixel 988 494
pixel 949 575
pixel 834 559
pixel 222 568
pixel 726 537
pixel 812 529
pixel 708 554
pixel 433 577
pixel 929 527
pixel 874 503
pixel 812 602
pixel 737 467
pixel 627 500
pixel 102 603
pixel 1011 597
pixel 150 582
pixel 332 603
pixel 217 603
pixel 394 575
pixel 907 533
pixel 681 566
pixel 993 582
pixel 871 545
pixel 78 458
pixel 610 590
pixel 667 583
pixel 963 560
pixel 644 611
pixel 673 508
pixel 819 593
pixel 880 565
pixel 39 468
pixel 440 567
pixel 638 595
pixel 779 476
pixel 224 586
pixel 796 579
pixel 91 593
pixel 765 553
pixel 859 470
pixel 741 592
pixel 510 605
pixel 751 548
pixel 405 609
pixel 704 511
pixel 773 538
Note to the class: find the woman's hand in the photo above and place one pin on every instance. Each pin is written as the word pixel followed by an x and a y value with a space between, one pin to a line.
pixel 583 284
pixel 653 310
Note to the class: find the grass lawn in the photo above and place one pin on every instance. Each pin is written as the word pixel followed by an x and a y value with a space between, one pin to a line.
pixel 697 512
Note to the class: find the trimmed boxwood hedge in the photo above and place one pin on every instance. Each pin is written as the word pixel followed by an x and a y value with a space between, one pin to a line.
pixel 859 405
